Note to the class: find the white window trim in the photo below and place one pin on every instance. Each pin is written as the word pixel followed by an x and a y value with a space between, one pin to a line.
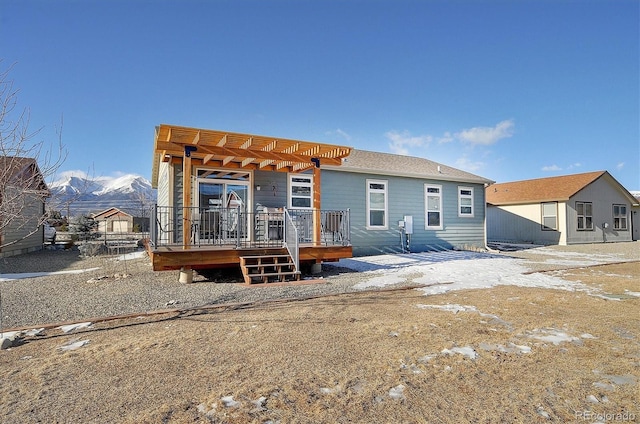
pixel 299 184
pixel 465 196
pixel 426 207
pixel 386 205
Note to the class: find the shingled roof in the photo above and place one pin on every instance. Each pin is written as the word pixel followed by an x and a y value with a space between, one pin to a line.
pixel 23 173
pixel 542 189
pixel 364 161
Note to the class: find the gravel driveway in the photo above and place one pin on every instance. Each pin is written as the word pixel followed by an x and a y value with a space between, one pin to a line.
pixel 113 286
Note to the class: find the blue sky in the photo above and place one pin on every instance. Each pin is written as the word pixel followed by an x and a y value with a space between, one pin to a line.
pixel 508 90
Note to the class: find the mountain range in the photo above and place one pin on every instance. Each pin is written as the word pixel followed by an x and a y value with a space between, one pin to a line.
pixel 80 195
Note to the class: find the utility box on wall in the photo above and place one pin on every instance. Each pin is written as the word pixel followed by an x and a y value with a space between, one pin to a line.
pixel 408 224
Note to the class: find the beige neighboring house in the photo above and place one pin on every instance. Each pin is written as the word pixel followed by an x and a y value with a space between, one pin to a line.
pixel 113 220
pixel 592 207
pixel 635 216
pixel 23 193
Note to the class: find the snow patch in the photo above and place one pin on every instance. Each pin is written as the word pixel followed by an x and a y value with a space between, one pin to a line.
pixel 466 351
pixel 22 275
pixel 552 335
pixel 74 345
pixel 397 393
pixel 72 327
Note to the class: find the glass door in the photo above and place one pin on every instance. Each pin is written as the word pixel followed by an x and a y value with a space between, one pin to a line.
pixel 222 209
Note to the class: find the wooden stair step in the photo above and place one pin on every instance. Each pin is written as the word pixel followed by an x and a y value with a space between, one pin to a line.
pixel 265 276
pixel 264 256
pixel 269 265
pixel 266 266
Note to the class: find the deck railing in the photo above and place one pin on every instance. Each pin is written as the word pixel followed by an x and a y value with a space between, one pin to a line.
pixel 236 228
pixel 291 239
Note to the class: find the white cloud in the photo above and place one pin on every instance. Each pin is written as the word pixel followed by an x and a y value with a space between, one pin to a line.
pixel 401 141
pixel 73 173
pixel 467 165
pixel 620 165
pixel 447 137
pixel 487 135
pixel 340 133
pixel 553 167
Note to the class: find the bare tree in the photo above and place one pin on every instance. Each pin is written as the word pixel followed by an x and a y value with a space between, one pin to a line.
pixel 25 165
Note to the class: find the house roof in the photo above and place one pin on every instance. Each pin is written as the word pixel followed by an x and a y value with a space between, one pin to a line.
pixel 22 172
pixel 226 149
pixel 549 189
pixel 108 213
pixel 364 161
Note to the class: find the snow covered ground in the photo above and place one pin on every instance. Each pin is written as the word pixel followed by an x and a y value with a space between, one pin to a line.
pixel 441 272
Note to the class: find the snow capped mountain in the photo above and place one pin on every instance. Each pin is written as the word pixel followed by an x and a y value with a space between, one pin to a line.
pixel 73 185
pixel 125 184
pixel 76 193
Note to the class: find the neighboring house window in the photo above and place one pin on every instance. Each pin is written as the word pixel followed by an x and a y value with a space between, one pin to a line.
pixel 619 217
pixel 549 216
pixel 465 201
pixel 433 200
pixel 300 191
pixel 377 204
pixel 585 215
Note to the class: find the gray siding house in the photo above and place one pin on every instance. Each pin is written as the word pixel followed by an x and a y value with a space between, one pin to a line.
pixel 23 193
pixel 590 207
pixel 225 198
pixel 446 205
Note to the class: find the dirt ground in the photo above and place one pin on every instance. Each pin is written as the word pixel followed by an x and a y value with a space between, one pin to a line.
pixel 506 354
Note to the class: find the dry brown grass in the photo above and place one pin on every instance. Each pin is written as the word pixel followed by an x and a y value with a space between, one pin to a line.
pixel 335 359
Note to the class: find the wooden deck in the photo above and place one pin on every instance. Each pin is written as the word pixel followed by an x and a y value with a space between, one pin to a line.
pixel 210 257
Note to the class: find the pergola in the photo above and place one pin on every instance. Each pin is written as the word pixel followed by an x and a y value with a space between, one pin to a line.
pixel 237 151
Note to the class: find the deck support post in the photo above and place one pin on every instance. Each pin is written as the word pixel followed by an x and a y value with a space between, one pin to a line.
pixel 316 268
pixel 186 275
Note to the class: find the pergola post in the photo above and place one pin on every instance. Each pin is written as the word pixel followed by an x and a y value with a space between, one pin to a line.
pixel 317 206
pixel 186 200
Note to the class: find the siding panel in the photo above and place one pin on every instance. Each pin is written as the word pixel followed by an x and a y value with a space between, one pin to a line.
pixel 19 229
pixel 520 224
pixel 603 195
pixel 406 197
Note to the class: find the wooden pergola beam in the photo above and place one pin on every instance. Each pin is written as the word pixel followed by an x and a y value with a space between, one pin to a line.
pixel 231 152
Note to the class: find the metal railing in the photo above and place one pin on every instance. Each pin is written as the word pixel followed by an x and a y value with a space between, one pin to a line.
pixel 291 239
pixel 236 228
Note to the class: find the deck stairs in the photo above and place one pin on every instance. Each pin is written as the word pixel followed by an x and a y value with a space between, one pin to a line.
pixel 269 266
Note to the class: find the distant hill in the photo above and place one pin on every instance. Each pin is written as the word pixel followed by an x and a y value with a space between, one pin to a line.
pixel 73 195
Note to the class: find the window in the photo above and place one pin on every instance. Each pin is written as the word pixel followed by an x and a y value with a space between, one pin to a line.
pixel 619 217
pixel 585 216
pixel 549 216
pixel 465 201
pixel 223 174
pixel 377 204
pixel 300 191
pixel 433 203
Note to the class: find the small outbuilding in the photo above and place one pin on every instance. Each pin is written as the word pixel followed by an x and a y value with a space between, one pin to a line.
pixel 113 220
